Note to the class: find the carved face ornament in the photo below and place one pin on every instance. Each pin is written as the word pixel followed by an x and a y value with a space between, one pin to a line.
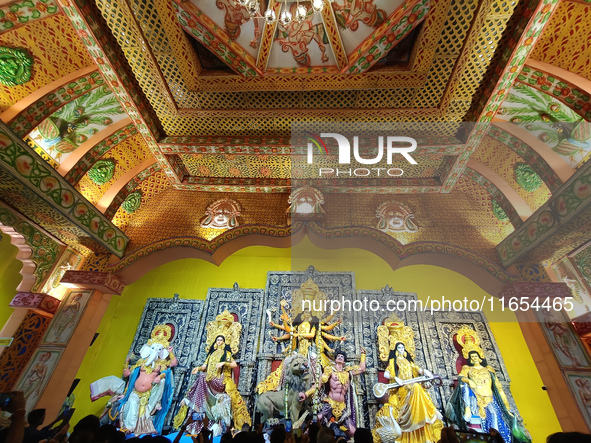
pixel 223 214
pixel 395 217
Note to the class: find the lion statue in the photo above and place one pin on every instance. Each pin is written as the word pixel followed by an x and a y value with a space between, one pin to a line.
pixel 296 380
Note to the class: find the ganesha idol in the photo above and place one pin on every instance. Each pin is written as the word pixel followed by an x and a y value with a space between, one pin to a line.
pixel 148 396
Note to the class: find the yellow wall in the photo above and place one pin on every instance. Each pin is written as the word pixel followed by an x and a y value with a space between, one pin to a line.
pixel 10 276
pixel 191 278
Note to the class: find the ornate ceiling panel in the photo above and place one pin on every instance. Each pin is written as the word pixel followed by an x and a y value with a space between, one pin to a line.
pixel 514 170
pixel 550 120
pixel 114 164
pixel 60 134
pixel 566 41
pixel 185 111
pixel 51 41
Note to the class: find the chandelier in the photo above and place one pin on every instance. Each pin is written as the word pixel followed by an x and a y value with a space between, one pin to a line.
pixel 284 15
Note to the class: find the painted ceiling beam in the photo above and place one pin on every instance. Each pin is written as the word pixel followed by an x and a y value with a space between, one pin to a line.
pixel 267 38
pixel 555 229
pixel 387 35
pixel 103 49
pixel 133 184
pixel 521 207
pixel 44 106
pixel 530 20
pixel 30 101
pixel 27 182
pixel 89 144
pixel 496 195
pixel 575 92
pixel 86 162
pixel 334 36
pixel 557 163
pixel 108 196
pixel 201 27
pixel 527 153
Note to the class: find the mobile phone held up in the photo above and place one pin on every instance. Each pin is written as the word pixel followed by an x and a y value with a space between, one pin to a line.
pixel 197 416
pixel 4 399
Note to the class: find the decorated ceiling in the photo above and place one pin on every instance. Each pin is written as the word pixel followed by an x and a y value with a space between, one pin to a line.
pixel 158 110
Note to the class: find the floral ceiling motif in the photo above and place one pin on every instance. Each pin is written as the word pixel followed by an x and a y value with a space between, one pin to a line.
pixel 67 128
pixel 15 66
pixel 550 120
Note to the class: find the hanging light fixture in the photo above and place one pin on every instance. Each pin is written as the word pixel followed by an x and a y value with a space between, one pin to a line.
pixel 283 15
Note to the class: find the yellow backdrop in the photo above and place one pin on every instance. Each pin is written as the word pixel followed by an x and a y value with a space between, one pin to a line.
pixel 10 276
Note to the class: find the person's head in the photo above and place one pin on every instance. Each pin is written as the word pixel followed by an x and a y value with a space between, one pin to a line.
pixel 474 358
pixel 109 434
pixel 278 435
pixel 325 435
pixel 36 417
pixel 85 429
pixel 245 427
pixel 220 340
pixel 313 432
pixel 340 357
pixel 241 437
pixel 226 438
pixel 569 437
pixel 363 435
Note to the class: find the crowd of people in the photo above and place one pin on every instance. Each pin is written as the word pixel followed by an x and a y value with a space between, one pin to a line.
pixel 16 429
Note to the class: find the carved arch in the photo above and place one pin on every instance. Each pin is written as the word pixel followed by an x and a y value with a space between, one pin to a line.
pixel 37 250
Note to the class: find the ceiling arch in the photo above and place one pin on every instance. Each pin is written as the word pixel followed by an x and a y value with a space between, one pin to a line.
pixel 489 275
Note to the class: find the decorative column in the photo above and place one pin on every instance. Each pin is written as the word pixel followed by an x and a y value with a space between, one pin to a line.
pixel 543 329
pixel 70 334
pixel 34 311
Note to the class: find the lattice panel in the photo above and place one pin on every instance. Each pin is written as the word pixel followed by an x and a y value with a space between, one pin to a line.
pixel 430 95
pixel 328 99
pixel 173 213
pixel 272 99
pixel 566 39
pixel 386 98
pixel 286 166
pixel 503 7
pixel 475 228
pixel 150 187
pixel 459 17
pixel 221 100
pixel 56 49
pixel 127 34
pixel 481 56
pixel 153 31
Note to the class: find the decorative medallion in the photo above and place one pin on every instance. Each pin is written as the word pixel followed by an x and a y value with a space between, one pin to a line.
pixel 498 211
pixel 102 171
pixel 132 202
pixel 15 66
pixel 526 177
pixel 306 202
pixel 395 217
pixel 222 214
